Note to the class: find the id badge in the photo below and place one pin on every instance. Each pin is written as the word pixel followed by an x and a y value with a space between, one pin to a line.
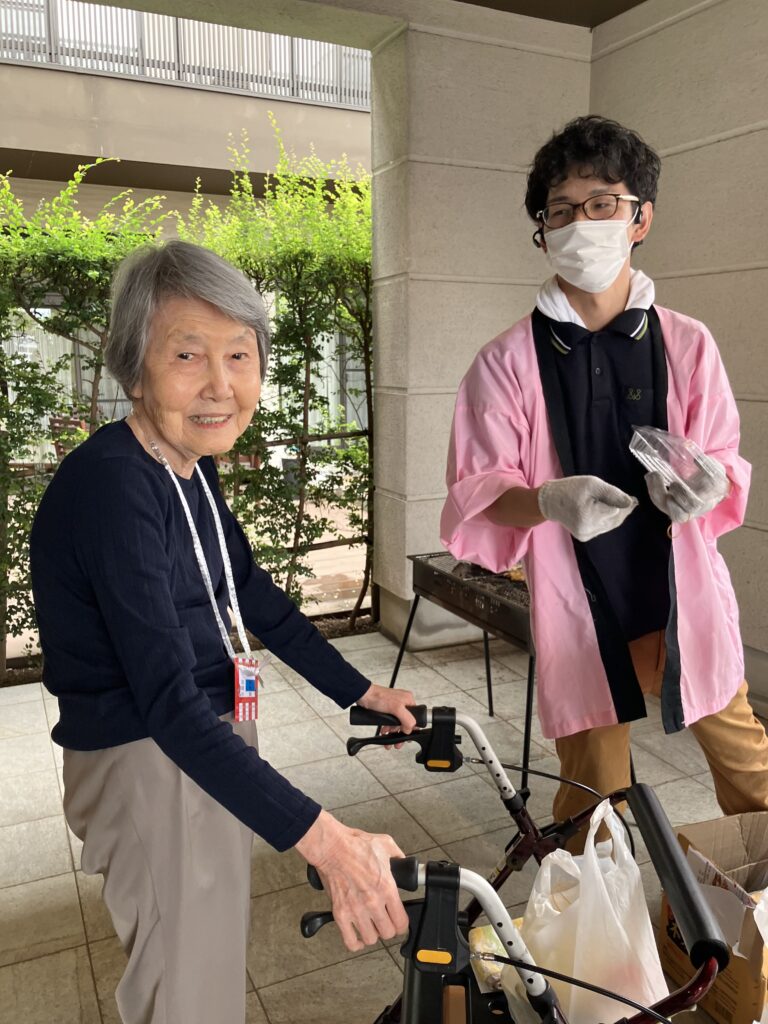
pixel 246 689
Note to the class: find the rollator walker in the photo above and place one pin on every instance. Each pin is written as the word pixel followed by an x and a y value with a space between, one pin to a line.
pixel 439 984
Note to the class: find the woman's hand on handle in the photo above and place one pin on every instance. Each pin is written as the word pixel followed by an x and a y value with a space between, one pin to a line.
pixel 393 702
pixel 354 867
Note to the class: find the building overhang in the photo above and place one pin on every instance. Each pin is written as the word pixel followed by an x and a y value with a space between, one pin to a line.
pixel 46 166
pixel 587 13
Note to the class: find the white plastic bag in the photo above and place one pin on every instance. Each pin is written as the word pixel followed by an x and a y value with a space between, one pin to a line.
pixel 587 917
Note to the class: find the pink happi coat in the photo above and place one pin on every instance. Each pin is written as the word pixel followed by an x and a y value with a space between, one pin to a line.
pixel 501 438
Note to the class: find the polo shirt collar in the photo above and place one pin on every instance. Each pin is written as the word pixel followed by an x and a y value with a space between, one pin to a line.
pixel 631 322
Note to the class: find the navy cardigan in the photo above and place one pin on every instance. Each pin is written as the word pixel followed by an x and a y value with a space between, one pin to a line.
pixel 130 642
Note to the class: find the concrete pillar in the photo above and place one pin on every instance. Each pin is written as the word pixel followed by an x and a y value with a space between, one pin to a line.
pixel 691 78
pixel 457 117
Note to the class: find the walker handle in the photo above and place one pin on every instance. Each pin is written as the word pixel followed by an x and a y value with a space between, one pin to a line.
pixel 700 931
pixel 363 716
pixel 405 871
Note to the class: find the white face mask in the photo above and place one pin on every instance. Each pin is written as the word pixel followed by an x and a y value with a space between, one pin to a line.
pixel 589 254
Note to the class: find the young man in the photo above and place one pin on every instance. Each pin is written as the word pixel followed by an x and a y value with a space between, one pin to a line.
pixel 629 594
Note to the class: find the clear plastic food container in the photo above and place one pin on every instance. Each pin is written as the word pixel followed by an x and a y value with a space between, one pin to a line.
pixel 675 458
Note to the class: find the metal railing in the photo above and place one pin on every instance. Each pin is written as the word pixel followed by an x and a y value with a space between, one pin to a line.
pixel 157 47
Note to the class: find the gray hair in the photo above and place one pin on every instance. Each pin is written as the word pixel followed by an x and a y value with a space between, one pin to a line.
pixel 153 273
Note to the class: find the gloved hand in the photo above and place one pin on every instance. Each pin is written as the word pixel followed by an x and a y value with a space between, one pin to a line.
pixel 681 503
pixel 585 505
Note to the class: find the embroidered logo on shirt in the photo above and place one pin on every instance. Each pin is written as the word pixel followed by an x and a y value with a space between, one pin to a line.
pixel 634 394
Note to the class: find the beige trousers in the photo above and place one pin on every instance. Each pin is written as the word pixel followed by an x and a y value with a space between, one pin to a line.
pixel 733 741
pixel 176 869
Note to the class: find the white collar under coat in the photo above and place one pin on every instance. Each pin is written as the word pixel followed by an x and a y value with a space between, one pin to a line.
pixel 552 302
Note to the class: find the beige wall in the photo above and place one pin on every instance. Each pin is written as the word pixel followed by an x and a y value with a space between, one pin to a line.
pixel 692 78
pixel 58 111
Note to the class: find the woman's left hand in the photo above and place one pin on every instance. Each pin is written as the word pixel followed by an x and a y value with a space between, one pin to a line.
pixel 392 702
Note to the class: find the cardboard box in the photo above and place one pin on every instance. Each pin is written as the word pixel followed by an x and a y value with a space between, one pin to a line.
pixel 729 856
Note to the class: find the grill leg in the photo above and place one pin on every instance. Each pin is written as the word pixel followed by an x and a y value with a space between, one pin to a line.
pixel 528 721
pixel 404 641
pixel 488 681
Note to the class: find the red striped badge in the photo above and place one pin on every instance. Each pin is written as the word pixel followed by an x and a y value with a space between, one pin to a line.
pixel 246 689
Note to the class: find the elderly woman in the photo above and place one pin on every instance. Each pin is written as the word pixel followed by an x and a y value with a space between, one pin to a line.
pixel 136 560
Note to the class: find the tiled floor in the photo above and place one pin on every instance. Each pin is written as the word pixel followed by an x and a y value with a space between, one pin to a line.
pixel 59 958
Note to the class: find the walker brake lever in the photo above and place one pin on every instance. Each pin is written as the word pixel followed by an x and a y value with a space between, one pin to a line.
pixel 313 921
pixel 356 743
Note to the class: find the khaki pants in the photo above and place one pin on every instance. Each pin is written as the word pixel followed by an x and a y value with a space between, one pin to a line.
pixel 733 741
pixel 176 869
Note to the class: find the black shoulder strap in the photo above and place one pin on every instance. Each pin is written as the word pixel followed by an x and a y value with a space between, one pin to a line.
pixel 550 383
pixel 671 700
pixel 660 382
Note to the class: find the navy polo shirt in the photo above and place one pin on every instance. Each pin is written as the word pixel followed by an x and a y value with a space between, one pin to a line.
pixel 607 384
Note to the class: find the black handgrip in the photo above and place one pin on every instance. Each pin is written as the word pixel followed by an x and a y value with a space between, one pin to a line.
pixel 700 931
pixel 405 871
pixel 313 877
pixel 313 921
pixel 364 716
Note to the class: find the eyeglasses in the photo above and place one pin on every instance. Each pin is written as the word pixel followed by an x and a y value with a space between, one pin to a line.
pixel 602 207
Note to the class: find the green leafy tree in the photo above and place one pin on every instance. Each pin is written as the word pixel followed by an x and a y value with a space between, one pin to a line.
pixel 29 396
pixel 307 242
pixel 57 265
pixel 306 245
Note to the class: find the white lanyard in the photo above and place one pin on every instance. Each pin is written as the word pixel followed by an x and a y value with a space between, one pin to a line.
pixel 199 554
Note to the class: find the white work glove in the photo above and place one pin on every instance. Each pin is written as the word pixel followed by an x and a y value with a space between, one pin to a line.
pixel 682 503
pixel 585 505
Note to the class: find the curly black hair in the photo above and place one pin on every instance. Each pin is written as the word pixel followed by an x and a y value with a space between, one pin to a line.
pixel 599 147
